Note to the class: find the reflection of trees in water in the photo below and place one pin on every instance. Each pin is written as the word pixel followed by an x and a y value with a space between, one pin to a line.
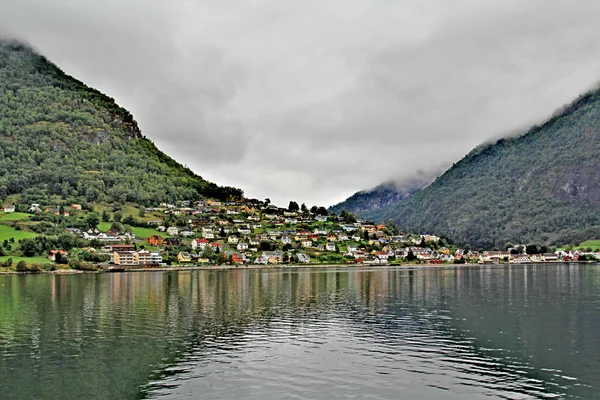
pixel 115 331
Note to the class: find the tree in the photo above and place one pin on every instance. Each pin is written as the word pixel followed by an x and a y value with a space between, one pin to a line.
pixel 348 217
pixel 222 232
pixel 266 246
pixel 21 266
pixel 322 211
pixel 8 262
pixel 118 216
pixel 366 235
pixel 410 256
pixel 293 206
pixel 286 258
pixel 314 209
pixel 142 212
pixel 105 216
pixel 207 253
pixel 60 259
pixel 222 258
pixel 267 201
pixel 92 220
pixel 28 247
pixel 303 208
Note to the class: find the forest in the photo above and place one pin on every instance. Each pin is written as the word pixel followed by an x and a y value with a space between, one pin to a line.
pixel 59 137
pixel 541 187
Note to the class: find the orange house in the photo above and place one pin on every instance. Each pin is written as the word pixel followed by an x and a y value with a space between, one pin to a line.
pixel 156 240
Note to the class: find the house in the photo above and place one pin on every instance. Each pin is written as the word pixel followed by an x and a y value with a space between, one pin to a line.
pixel 52 254
pixel 331 237
pixel 244 231
pixel 118 247
pixel 124 258
pixel 187 233
pixel 321 218
pixel 303 258
pixel 184 257
pixel 35 208
pixel 76 207
pixel 173 241
pixel 285 239
pixel 254 242
pixel 351 249
pixel 216 245
pixel 495 256
pixel 330 246
pixel 343 237
pixel 155 240
pixel 368 228
pixel 306 243
pixel 399 239
pixel 242 246
pixel 549 257
pixel 155 258
pixel 320 231
pixel 9 209
pixel 172 231
pixel 382 256
pixel 143 257
pixel 233 239
pixel 199 243
pixel 273 257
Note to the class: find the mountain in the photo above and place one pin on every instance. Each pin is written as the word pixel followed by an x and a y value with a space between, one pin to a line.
pixel 542 187
pixel 380 196
pixel 60 137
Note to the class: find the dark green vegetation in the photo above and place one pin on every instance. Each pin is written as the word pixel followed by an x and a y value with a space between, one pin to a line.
pixel 542 187
pixel 380 196
pixel 60 137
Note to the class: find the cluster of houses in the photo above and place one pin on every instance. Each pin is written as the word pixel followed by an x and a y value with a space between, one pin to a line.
pixel 255 232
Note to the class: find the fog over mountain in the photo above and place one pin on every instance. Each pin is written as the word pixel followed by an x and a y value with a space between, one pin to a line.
pixel 312 101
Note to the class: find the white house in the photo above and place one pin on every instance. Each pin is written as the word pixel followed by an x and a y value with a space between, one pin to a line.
pixel 199 243
pixel 172 231
pixel 242 246
pixel 330 246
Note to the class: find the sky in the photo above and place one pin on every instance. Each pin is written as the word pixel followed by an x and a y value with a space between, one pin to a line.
pixel 314 100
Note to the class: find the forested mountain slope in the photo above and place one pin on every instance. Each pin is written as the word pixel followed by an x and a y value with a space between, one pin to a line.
pixel 60 137
pixel 380 196
pixel 542 187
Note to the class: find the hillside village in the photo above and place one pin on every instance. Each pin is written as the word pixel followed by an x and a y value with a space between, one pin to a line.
pixel 244 232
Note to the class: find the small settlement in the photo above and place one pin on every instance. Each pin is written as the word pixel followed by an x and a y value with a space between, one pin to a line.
pixel 255 232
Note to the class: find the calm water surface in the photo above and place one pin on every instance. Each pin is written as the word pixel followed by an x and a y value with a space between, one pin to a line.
pixel 515 332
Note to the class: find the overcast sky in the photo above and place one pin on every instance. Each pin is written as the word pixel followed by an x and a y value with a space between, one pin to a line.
pixel 313 100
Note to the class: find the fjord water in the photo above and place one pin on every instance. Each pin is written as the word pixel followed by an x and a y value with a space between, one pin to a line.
pixel 517 332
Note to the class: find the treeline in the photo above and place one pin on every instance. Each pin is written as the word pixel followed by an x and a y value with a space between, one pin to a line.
pixel 59 137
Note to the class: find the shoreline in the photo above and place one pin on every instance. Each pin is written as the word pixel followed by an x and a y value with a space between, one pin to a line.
pixel 263 266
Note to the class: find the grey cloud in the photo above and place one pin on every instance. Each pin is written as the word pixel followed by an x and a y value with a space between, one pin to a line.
pixel 312 101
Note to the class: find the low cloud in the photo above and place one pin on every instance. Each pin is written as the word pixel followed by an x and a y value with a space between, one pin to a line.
pixel 312 101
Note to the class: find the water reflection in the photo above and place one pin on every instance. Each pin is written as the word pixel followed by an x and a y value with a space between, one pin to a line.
pixel 513 332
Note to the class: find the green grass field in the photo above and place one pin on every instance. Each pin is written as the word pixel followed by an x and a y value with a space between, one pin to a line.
pixel 593 244
pixel 15 216
pixel 28 260
pixel 7 232
pixel 139 232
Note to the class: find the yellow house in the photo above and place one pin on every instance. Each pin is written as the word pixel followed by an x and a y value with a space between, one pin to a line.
pixel 184 257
